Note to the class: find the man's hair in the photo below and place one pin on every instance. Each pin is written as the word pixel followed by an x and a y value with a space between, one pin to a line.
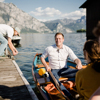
pixel 17 32
pixel 58 33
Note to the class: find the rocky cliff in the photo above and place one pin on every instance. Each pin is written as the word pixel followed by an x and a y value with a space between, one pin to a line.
pixel 13 16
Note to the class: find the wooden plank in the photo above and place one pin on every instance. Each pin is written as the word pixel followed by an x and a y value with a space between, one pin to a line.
pixel 63 79
pixel 41 65
pixel 34 97
pixel 13 85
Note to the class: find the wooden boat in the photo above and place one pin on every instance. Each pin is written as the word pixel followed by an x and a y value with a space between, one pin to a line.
pixel 43 81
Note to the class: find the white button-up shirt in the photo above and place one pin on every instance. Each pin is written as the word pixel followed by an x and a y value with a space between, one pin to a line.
pixel 58 57
pixel 6 30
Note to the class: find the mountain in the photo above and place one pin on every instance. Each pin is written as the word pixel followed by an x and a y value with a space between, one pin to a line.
pixel 13 16
pixel 61 28
pixel 66 25
pixel 82 20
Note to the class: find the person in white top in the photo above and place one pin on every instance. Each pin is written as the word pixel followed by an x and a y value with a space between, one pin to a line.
pixel 8 32
pixel 57 55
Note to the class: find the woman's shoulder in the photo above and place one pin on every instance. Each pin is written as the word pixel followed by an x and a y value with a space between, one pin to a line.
pixel 85 70
pixel 82 72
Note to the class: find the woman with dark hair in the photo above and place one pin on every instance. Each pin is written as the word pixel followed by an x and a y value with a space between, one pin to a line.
pixel 87 80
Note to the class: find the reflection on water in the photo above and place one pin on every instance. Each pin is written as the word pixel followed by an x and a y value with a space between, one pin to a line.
pixel 31 43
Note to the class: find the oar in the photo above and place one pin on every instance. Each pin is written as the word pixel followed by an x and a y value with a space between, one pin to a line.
pixel 26 52
pixel 57 85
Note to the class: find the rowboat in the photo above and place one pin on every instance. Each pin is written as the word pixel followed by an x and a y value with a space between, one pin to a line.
pixel 42 81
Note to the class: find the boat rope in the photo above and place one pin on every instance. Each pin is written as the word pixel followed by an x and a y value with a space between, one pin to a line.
pixel 57 85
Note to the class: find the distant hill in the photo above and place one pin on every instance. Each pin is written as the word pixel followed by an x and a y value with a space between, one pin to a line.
pixel 13 16
pixel 67 25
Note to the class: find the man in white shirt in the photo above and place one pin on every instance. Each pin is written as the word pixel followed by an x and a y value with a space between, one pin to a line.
pixel 9 32
pixel 57 55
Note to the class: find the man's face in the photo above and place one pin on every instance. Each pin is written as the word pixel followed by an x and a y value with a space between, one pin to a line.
pixel 59 40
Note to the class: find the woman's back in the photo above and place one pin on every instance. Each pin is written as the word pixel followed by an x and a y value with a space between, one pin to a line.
pixel 87 80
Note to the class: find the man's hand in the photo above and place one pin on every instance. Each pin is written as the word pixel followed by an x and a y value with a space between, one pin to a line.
pixel 15 52
pixel 13 49
pixel 79 66
pixel 48 69
pixel 78 62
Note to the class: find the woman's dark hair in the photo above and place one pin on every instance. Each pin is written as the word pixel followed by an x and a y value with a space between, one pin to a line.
pixel 93 50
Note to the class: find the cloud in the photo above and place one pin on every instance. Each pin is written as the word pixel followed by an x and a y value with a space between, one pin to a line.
pixel 2 0
pixel 44 20
pixel 51 12
pixel 75 15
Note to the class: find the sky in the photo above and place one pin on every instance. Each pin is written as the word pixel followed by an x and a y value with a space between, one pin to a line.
pixel 45 10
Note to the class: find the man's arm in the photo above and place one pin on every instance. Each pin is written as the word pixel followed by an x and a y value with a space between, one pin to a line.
pixel 73 57
pixel 13 49
pixel 45 64
pixel 79 64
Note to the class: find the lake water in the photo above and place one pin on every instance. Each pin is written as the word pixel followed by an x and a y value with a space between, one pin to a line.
pixel 32 43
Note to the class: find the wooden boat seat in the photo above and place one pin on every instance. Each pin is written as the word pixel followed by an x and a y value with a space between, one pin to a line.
pixel 41 65
pixel 63 79
pixel 83 66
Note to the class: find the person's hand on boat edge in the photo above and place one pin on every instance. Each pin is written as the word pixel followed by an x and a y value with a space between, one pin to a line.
pixel 48 69
pixel 79 64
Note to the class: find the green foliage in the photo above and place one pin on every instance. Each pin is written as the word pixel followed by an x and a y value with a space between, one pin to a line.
pixel 81 30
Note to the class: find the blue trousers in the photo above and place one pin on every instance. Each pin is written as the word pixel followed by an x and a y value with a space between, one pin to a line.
pixel 64 72
pixel 3 44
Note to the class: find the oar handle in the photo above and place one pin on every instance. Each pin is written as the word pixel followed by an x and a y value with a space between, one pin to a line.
pixel 57 85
